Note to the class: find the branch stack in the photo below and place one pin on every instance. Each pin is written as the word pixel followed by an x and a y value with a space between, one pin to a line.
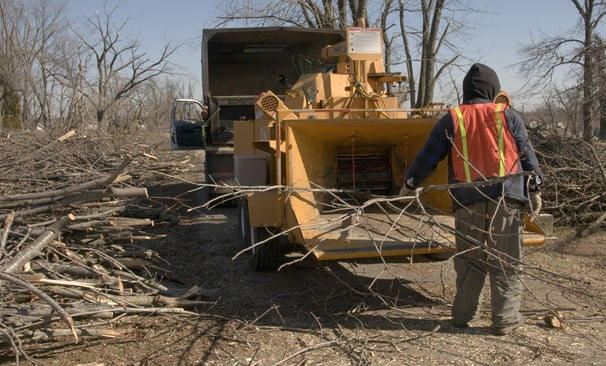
pixel 575 178
pixel 73 212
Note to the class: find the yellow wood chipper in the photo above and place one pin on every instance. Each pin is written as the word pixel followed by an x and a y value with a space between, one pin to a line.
pixel 318 155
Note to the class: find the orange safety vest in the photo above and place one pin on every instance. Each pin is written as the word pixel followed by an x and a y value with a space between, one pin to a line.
pixel 483 145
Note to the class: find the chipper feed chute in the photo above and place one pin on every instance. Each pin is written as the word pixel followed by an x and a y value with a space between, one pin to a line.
pixel 366 156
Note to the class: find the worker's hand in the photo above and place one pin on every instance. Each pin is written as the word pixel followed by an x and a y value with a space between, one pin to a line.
pixel 405 191
pixel 534 183
pixel 536 202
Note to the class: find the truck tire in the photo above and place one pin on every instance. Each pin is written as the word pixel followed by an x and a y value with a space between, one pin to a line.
pixel 200 196
pixel 243 223
pixel 267 256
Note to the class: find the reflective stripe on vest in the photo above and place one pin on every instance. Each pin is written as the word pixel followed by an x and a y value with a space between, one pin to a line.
pixel 483 146
pixel 464 142
pixel 501 139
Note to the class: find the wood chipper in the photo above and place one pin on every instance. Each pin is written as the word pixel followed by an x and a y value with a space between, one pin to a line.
pixel 321 153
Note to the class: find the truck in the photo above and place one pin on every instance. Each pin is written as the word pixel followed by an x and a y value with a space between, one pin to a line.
pixel 237 65
pixel 311 123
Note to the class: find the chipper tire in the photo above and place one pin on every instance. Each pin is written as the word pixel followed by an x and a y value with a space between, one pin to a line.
pixel 243 224
pixel 267 256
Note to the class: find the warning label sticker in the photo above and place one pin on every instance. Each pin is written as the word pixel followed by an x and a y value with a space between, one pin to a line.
pixel 364 40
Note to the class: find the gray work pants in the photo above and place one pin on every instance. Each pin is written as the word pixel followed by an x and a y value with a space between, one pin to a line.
pixel 498 225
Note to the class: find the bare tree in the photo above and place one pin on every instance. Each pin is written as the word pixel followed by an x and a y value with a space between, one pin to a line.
pixel 120 66
pixel 326 14
pixel 10 111
pixel 431 40
pixel 160 95
pixel 32 34
pixel 53 79
pixel 74 107
pixel 47 24
pixel 559 113
pixel 148 106
pixel 600 52
pixel 574 49
pixel 387 8
pixel 11 34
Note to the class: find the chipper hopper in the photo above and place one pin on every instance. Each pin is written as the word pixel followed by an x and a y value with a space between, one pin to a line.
pixel 324 163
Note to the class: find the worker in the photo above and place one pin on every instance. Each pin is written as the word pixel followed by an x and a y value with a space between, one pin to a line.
pixel 482 140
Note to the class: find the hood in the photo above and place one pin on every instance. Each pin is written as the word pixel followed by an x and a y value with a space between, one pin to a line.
pixel 480 82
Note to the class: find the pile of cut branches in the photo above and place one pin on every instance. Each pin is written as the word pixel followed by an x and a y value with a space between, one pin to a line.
pixel 575 178
pixel 72 210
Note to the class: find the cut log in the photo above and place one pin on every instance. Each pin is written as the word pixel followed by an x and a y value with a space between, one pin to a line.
pixel 48 333
pixel 62 313
pixel 35 248
pixel 593 227
pixel 99 182
pixel 7 228
pixel 80 197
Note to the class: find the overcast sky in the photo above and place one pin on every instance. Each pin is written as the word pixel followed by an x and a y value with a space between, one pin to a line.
pixel 499 31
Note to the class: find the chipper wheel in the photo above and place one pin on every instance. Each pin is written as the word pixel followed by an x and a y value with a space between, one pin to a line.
pixel 243 223
pixel 266 256
pixel 263 257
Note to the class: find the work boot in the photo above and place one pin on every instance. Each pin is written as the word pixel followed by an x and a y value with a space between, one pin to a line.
pixel 460 324
pixel 502 330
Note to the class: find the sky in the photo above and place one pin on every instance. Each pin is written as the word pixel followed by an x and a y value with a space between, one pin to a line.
pixel 497 35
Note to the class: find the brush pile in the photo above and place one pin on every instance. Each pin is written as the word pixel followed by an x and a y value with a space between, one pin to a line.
pixel 575 178
pixel 72 210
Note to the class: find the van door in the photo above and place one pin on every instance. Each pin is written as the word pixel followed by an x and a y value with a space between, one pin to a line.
pixel 187 125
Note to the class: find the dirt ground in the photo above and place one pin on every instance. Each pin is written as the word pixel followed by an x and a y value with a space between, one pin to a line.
pixel 343 313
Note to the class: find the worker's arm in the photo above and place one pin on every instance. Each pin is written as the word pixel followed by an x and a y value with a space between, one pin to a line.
pixel 528 158
pixel 435 149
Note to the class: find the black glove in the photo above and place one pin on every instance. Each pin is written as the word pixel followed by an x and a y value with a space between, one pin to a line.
pixel 407 188
pixel 534 183
pixel 405 191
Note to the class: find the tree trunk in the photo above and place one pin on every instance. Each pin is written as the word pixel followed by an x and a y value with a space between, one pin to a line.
pixel 101 121
pixel 588 74
pixel 409 66
pixel 424 56
pixel 15 264
pixel 430 77
pixel 602 133
pixel 588 97
pixel 387 41
pixel 342 13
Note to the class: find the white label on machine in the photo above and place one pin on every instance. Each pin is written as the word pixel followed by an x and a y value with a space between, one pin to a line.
pixel 364 40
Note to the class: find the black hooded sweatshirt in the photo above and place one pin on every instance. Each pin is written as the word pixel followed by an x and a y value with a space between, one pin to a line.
pixel 480 85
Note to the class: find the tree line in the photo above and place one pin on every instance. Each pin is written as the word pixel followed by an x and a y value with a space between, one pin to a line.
pixel 57 75
pixel 54 74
